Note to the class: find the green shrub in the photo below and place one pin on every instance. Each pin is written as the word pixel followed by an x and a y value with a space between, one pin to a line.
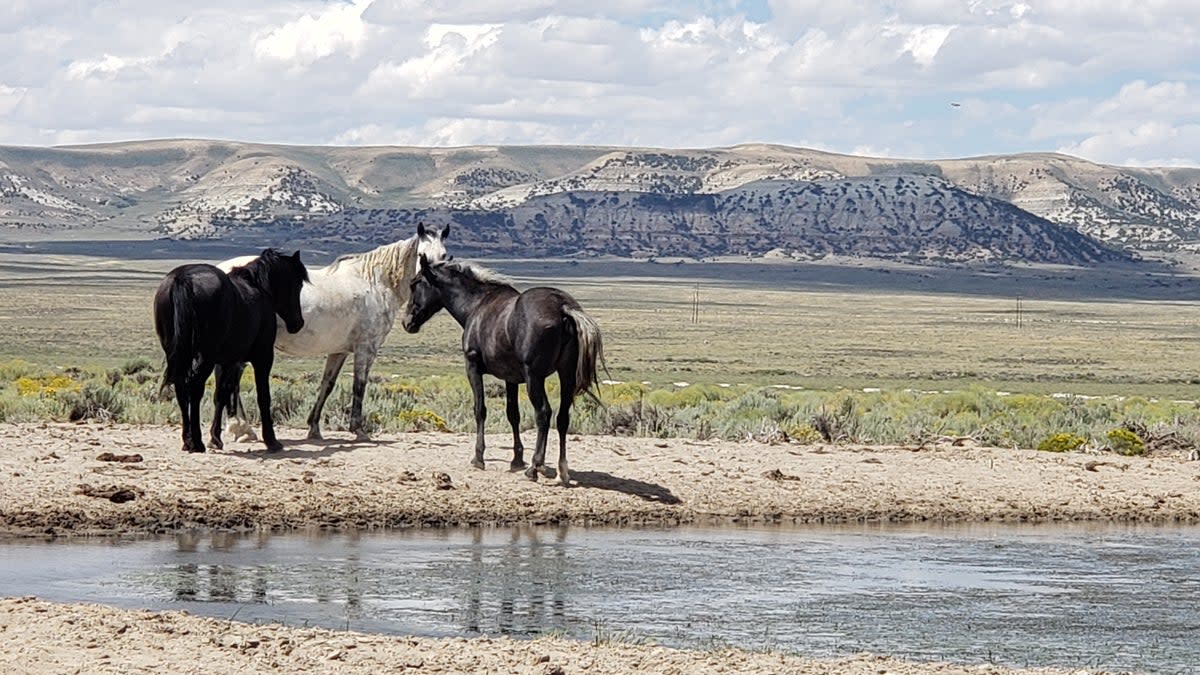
pixel 94 402
pixel 1061 442
pixel 421 420
pixel 16 368
pixel 1125 442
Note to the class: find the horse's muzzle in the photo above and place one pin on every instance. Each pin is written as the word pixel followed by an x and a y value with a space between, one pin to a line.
pixel 295 327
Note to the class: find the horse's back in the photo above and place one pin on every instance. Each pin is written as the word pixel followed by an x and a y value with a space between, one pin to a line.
pixel 197 283
pixel 543 336
pixel 544 304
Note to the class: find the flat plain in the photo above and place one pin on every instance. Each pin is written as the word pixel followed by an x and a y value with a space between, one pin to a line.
pixel 818 326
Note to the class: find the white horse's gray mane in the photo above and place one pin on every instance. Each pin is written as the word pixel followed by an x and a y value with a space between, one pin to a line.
pixel 396 262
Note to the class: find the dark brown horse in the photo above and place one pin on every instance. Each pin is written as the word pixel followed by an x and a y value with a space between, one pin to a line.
pixel 206 318
pixel 516 337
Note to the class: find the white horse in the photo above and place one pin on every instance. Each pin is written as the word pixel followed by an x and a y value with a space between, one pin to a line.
pixel 349 308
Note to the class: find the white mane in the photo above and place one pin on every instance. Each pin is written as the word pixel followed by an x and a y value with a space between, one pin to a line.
pixel 395 263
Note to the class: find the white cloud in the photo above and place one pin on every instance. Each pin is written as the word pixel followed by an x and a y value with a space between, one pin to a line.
pixel 9 98
pixel 313 37
pixel 1113 82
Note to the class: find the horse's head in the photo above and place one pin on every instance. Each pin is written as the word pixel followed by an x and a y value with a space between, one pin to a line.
pixel 431 243
pixel 286 275
pixel 424 296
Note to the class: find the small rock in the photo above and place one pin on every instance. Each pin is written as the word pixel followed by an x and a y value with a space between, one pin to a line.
pixel 110 457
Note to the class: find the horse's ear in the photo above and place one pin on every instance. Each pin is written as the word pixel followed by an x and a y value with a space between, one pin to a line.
pixel 421 230
pixel 296 255
pixel 445 232
pixel 425 271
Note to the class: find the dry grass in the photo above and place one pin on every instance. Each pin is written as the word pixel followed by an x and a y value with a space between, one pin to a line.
pixel 750 329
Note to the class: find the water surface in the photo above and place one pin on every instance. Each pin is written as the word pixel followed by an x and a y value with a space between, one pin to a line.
pixel 1114 597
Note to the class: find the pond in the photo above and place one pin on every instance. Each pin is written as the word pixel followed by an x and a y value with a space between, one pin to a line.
pixel 1105 596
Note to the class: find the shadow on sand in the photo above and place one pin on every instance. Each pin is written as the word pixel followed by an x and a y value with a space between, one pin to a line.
pixel 306 448
pixel 651 492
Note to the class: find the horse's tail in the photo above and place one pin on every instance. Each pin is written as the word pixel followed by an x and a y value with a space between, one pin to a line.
pixel 178 334
pixel 591 353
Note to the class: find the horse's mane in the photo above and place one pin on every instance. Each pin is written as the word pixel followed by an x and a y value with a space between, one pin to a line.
pixel 258 270
pixel 395 262
pixel 479 273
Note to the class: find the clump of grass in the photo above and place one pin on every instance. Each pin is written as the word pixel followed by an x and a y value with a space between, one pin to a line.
pixel 836 426
pixel 94 401
pixel 13 369
pixel 1061 442
pixel 421 420
pixel 603 635
pixel 46 385
pixel 140 370
pixel 1123 441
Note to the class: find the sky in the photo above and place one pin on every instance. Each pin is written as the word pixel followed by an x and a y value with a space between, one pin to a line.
pixel 1113 81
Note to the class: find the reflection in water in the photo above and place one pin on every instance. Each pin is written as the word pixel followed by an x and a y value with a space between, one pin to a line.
pixel 511 588
pixel 217 582
pixel 529 570
pixel 1068 596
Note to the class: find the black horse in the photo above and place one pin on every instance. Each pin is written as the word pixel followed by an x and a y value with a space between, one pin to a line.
pixel 208 319
pixel 516 337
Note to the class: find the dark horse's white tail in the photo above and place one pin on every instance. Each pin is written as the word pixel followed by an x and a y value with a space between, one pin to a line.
pixel 176 323
pixel 591 353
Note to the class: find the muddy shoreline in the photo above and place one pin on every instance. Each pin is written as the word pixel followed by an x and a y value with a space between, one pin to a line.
pixel 69 479
pixel 38 637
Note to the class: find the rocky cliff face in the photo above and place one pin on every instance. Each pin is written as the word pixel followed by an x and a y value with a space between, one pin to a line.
pixel 749 199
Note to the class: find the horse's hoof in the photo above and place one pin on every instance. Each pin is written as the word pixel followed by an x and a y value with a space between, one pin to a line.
pixel 315 435
pixel 531 473
pixel 516 466
pixel 192 448
pixel 547 471
pixel 361 437
pixel 216 443
pixel 477 464
pixel 274 447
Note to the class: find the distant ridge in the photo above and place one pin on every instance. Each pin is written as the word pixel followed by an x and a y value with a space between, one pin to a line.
pixel 749 199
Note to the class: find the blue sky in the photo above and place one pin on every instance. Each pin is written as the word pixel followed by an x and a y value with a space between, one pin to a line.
pixel 1115 82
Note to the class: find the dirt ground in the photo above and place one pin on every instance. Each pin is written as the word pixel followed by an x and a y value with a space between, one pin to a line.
pixel 38 637
pixel 67 479
pixel 75 479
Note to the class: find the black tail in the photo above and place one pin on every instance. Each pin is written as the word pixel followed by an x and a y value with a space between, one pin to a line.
pixel 177 332
pixel 591 353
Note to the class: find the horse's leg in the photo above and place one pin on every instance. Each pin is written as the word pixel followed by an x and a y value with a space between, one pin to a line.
pixel 239 424
pixel 333 366
pixel 182 390
pixel 195 396
pixel 536 386
pixel 362 368
pixel 566 381
pixel 475 377
pixel 511 389
pixel 262 387
pixel 220 401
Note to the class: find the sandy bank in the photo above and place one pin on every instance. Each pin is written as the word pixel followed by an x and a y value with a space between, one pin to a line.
pixel 63 478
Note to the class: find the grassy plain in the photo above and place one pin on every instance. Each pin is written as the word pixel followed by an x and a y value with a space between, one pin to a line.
pixel 809 336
